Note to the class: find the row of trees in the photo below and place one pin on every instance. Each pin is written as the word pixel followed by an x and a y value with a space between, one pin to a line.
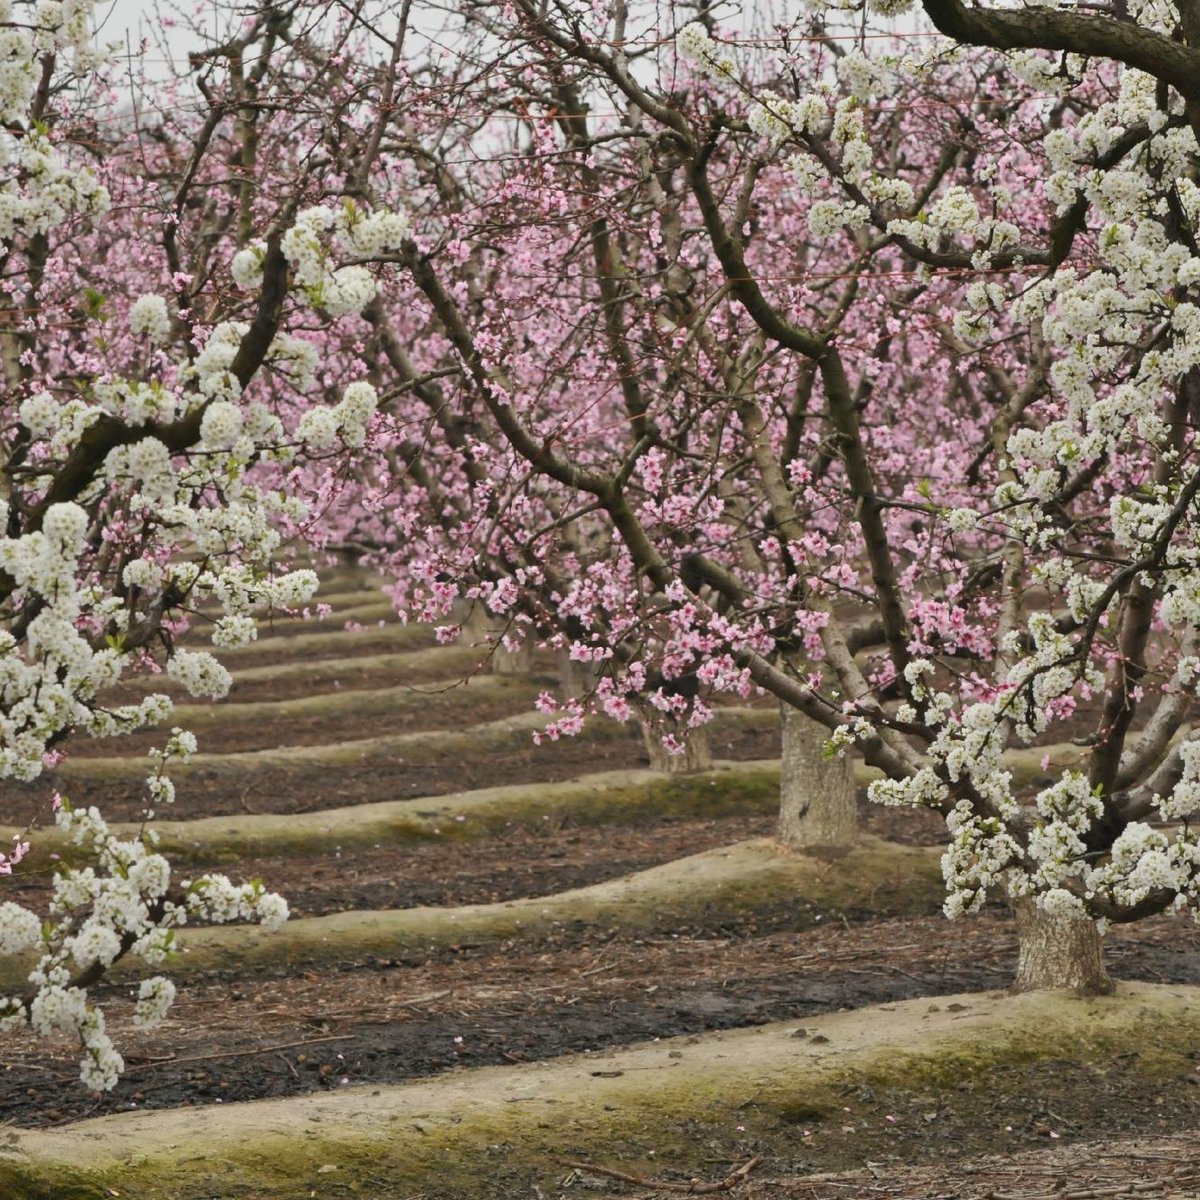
pixel 831 358
pixel 865 377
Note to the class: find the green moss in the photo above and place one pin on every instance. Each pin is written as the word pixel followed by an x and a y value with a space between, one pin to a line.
pixel 479 1134
pixel 454 1159
pixel 451 696
pixel 749 880
pixel 440 745
pixel 610 797
pixel 331 642
pixel 47 1183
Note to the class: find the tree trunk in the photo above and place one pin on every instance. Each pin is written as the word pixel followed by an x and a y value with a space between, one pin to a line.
pixel 1058 952
pixel 481 629
pixel 817 802
pixel 696 756
pixel 575 679
pixel 513 662
pixel 475 623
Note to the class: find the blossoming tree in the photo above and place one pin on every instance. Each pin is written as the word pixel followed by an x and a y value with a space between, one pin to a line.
pixel 840 365
pixel 153 412
pixel 863 376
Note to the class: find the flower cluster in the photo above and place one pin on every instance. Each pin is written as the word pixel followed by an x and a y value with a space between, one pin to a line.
pixel 120 904
pixel 311 247
pixel 346 421
pixel 146 475
pixel 696 45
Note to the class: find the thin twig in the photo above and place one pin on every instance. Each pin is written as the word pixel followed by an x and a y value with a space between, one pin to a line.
pixel 697 1187
pixel 194 1058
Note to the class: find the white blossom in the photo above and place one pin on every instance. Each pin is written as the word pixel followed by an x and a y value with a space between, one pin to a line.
pixel 149 318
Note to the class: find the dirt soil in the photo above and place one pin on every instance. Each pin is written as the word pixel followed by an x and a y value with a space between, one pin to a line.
pixel 586 988
pixel 205 793
pixel 1123 1168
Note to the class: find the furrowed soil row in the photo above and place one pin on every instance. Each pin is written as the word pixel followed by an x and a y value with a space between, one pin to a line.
pixel 460 903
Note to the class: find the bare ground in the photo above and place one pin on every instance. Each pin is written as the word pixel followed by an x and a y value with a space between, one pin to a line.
pixel 1060 1129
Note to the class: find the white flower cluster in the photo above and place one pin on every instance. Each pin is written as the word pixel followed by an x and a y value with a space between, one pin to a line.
pixel 215 898
pixel 1145 860
pixel 347 420
pixel 1096 320
pixel 200 673
pixel 1183 803
pixel 817 115
pixel 984 851
pixel 210 368
pixel 231 631
pixel 39 191
pixel 1120 321
pixel 20 929
pixel 91 582
pixel 776 118
pixel 297 357
pixel 1066 811
pixel 984 299
pixel 155 997
pixel 99 913
pixel 133 401
pixel 826 217
pixel 221 425
pixel 246 266
pixel 695 45
pixel 149 318
pixel 891 8
pixel 310 247
pixel 370 233
pixel 52 678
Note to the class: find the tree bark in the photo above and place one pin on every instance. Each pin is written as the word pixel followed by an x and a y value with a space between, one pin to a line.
pixel 817 801
pixel 480 628
pixel 1058 952
pixel 512 662
pixel 575 679
pixel 696 756
pixel 474 621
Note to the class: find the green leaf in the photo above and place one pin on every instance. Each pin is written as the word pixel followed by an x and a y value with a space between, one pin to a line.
pixel 94 303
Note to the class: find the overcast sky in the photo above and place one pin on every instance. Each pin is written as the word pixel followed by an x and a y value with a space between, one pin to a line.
pixel 137 18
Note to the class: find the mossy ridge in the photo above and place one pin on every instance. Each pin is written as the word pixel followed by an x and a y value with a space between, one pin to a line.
pixel 613 797
pixel 458 661
pixel 447 694
pixel 609 797
pixel 729 789
pixel 325 637
pixel 681 1097
pixel 432 745
pixel 729 883
pixel 478 739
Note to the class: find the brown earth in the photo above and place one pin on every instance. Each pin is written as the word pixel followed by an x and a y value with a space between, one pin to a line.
pixel 552 855
pixel 203 792
pixel 1121 1168
pixel 586 987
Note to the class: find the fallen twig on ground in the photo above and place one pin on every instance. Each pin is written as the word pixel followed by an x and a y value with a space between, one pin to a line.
pixel 242 1053
pixel 695 1187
